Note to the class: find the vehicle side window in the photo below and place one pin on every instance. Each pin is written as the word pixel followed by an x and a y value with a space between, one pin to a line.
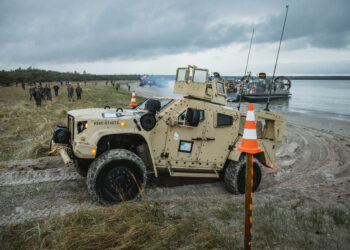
pixel 182 117
pixel 181 75
pixel 200 76
pixel 224 120
pixel 221 88
pixel 201 118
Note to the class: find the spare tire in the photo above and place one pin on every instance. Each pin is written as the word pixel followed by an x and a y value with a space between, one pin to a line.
pixel 153 106
pixel 148 121
pixel 61 135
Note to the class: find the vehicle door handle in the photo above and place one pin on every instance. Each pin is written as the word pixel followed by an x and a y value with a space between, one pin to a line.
pixel 197 139
pixel 210 139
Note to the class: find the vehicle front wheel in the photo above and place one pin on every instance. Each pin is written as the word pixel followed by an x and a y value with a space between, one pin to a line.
pixel 81 166
pixel 116 175
pixel 234 176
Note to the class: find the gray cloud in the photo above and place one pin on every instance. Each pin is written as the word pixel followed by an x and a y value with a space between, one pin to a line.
pixel 84 31
pixel 322 24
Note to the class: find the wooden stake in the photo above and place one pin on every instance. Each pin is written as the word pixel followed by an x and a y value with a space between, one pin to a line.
pixel 248 201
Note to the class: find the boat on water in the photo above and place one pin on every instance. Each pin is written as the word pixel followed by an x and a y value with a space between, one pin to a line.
pixel 260 88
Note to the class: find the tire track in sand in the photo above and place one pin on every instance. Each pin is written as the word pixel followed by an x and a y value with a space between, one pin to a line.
pixel 309 163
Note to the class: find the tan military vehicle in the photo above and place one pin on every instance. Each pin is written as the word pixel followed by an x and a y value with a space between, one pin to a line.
pixel 194 136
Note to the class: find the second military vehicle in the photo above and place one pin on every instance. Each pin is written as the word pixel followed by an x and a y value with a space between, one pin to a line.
pixel 194 136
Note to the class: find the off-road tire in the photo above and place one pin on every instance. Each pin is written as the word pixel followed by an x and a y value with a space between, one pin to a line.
pixel 109 164
pixel 234 176
pixel 61 135
pixel 81 166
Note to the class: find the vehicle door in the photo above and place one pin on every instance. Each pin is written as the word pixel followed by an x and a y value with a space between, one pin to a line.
pixel 221 130
pixel 184 139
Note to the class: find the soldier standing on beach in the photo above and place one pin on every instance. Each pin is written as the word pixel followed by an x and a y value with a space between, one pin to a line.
pixel 78 90
pixel 56 88
pixel 32 91
pixel 23 85
pixel 37 95
pixel 70 92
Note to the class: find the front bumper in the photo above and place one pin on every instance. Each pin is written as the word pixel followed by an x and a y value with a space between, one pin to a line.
pixel 62 149
pixel 60 144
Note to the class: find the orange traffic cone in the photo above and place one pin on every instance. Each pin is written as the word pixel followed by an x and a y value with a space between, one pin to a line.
pixel 133 99
pixel 249 141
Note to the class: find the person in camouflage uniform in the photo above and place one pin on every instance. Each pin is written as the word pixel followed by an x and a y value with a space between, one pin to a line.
pixel 70 92
pixel 78 90
pixel 48 93
pixel 32 91
pixel 56 88
pixel 38 95
pixel 42 92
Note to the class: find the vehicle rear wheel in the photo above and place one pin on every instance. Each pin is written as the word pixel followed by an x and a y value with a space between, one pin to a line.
pixel 234 176
pixel 116 175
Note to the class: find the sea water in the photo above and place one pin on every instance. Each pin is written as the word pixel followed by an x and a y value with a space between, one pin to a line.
pixel 329 97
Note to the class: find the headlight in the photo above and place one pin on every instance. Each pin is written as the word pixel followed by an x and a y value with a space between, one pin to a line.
pixel 82 126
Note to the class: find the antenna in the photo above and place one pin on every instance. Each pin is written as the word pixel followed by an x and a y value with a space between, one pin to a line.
pixel 245 72
pixel 274 70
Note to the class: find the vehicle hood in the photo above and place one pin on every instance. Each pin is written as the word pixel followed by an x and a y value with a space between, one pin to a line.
pixel 101 113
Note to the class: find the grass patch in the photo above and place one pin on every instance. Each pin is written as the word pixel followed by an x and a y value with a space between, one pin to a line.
pixel 189 224
pixel 228 210
pixel 25 130
pixel 128 226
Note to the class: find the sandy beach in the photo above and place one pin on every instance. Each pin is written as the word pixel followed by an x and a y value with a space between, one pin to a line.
pixel 313 164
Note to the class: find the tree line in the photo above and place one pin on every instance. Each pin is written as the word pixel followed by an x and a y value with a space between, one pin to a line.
pixel 30 75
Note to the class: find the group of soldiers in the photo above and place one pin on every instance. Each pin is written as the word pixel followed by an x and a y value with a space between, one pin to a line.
pixel 39 93
pixel 117 86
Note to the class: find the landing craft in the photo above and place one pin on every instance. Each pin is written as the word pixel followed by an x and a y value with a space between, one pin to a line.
pixel 258 89
pixel 261 89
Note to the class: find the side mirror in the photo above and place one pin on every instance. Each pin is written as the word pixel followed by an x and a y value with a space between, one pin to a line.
pixel 193 117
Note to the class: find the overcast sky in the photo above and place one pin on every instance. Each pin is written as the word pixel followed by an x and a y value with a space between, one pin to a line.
pixel 157 36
